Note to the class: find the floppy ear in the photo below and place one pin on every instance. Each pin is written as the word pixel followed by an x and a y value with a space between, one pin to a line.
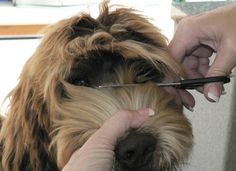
pixel 25 131
pixel 24 134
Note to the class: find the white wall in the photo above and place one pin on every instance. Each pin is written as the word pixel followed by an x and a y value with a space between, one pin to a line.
pixel 13 55
pixel 213 124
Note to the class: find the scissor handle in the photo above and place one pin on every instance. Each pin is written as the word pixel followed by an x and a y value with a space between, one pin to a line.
pixel 193 83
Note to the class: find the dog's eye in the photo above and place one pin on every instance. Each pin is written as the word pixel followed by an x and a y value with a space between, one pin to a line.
pixel 81 82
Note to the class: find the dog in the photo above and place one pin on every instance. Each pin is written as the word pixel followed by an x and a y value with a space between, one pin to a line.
pixel 58 102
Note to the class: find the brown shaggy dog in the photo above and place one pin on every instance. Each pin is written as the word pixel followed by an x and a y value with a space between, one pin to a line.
pixel 57 106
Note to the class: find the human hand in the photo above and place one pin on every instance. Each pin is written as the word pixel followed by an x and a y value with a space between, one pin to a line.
pixel 98 152
pixel 198 37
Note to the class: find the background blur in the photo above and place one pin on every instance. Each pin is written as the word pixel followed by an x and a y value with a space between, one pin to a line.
pixel 213 124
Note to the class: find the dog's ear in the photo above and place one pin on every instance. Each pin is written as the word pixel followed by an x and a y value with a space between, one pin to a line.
pixel 25 131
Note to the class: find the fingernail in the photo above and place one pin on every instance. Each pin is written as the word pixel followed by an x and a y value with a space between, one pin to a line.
pixel 223 92
pixel 151 112
pixel 213 95
pixel 189 108
pixel 147 111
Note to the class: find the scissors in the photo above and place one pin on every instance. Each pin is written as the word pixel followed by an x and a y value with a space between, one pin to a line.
pixel 182 84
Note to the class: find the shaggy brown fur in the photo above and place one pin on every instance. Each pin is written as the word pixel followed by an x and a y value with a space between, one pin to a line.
pixel 56 106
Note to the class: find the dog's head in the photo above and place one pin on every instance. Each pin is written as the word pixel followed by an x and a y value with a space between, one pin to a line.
pixel 57 102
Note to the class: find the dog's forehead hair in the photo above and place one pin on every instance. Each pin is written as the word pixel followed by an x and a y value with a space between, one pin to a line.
pixel 99 67
pixel 97 58
pixel 87 26
pixel 107 60
pixel 121 30
pixel 121 24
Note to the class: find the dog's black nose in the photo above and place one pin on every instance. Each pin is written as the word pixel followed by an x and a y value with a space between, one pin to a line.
pixel 135 151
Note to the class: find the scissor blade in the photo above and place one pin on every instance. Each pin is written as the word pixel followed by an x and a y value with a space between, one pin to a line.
pixel 173 84
pixel 182 84
pixel 117 85
pixel 131 85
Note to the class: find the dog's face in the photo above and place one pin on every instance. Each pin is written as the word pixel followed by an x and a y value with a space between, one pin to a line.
pixel 61 105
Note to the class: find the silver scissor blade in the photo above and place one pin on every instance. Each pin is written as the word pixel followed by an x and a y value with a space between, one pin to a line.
pixel 116 85
pixel 132 85
pixel 173 84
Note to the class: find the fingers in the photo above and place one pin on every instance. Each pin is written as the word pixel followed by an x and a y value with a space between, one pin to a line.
pixel 187 99
pixel 191 64
pixel 203 66
pixel 195 40
pixel 197 63
pixel 185 39
pixel 178 44
pixel 177 48
pixel 175 93
pixel 182 97
pixel 203 51
pixel 223 64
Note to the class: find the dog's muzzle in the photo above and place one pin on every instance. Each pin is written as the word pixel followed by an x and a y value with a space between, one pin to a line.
pixel 135 151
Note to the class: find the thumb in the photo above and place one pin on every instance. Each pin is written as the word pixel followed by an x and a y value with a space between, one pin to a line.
pixel 222 65
pixel 116 126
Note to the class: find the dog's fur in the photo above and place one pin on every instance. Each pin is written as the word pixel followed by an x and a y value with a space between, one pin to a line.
pixel 56 106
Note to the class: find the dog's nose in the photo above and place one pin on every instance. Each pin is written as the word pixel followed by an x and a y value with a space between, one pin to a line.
pixel 135 151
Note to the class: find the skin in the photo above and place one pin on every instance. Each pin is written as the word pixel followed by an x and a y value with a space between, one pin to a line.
pixel 197 38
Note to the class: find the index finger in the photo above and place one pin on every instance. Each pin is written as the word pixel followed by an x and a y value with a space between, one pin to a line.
pixel 185 40
pixel 177 50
